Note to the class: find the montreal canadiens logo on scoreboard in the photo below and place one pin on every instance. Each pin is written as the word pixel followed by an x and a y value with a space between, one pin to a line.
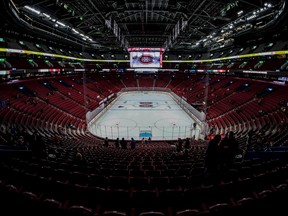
pixel 146 59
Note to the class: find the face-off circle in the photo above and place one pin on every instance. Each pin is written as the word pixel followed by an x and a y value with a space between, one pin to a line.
pixel 119 122
pixel 172 122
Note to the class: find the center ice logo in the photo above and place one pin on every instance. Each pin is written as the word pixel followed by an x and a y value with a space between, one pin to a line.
pixel 145 104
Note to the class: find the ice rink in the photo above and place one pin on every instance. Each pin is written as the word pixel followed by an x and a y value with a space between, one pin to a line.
pixel 145 114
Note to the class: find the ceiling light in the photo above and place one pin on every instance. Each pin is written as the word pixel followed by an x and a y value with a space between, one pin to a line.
pixel 32 9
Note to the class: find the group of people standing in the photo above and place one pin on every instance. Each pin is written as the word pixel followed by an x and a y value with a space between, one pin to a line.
pixel 221 153
pixel 120 143
pixel 182 148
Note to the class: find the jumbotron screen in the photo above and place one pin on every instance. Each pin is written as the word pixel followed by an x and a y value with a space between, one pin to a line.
pixel 146 57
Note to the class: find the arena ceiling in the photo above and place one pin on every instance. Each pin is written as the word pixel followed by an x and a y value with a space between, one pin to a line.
pixel 172 24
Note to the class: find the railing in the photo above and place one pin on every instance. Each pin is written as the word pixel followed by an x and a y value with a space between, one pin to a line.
pixel 156 133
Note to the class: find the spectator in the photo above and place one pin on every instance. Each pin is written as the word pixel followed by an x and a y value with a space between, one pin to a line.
pixel 179 145
pixel 79 159
pixel 187 144
pixel 228 149
pixel 211 155
pixel 185 153
pixel 133 143
pixel 117 143
pixel 259 143
pixel 106 142
pixel 194 125
pixel 123 143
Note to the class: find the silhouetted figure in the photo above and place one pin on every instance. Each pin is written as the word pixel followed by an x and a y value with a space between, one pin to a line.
pixel 187 144
pixel 259 142
pixel 117 143
pixel 106 142
pixel 123 143
pixel 194 125
pixel 228 149
pixel 224 151
pixel 179 145
pixel 185 153
pixel 133 143
pixel 79 159
pixel 211 155
pixel 249 138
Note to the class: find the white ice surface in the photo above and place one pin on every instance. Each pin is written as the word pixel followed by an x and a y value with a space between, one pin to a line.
pixel 163 117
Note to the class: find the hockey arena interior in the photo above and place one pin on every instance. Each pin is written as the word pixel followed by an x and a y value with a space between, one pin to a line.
pixel 143 108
